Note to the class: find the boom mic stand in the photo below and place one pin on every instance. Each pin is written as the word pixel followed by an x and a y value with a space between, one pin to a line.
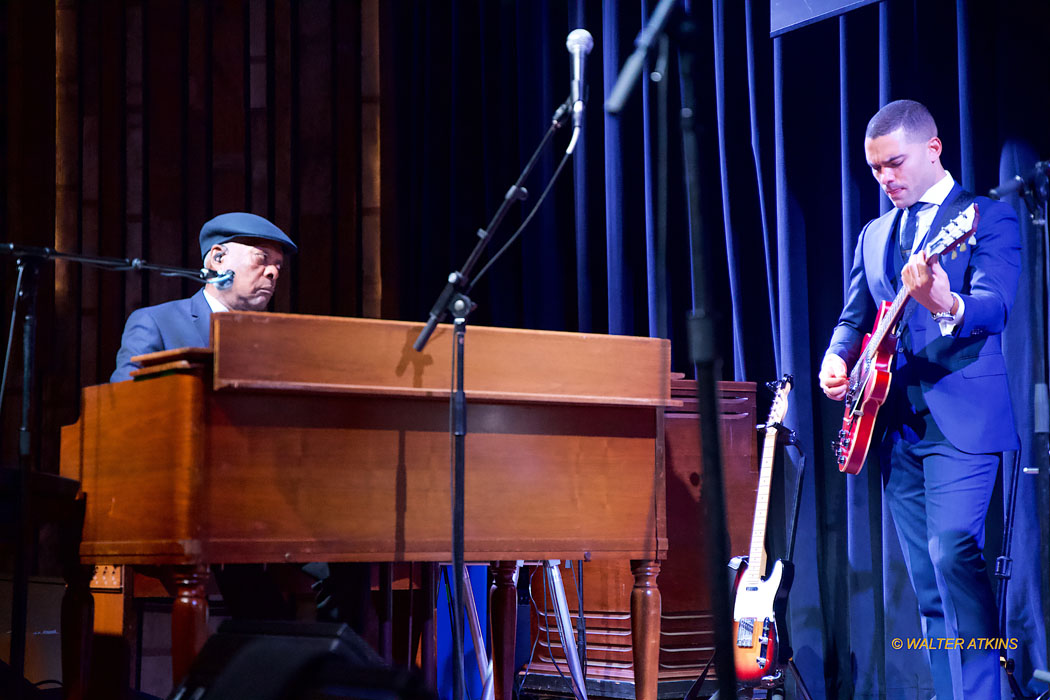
pixel 1034 190
pixel 453 300
pixel 28 260
pixel 703 348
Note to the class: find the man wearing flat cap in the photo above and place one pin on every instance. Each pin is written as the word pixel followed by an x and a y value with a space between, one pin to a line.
pixel 254 250
pixel 249 246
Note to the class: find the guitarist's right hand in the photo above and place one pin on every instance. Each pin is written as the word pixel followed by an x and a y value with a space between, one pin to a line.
pixel 834 380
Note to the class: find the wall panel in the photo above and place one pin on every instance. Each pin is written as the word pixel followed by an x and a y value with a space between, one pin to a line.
pixel 136 122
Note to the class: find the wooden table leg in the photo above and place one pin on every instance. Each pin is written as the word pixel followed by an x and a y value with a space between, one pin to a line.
pixel 504 611
pixel 645 628
pixel 189 618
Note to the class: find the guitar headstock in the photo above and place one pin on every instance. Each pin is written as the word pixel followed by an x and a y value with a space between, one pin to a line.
pixel 778 410
pixel 955 232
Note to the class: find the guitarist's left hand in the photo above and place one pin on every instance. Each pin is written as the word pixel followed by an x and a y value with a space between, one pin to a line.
pixel 927 282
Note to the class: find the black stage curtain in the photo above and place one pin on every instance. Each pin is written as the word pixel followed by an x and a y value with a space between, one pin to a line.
pixel 381 136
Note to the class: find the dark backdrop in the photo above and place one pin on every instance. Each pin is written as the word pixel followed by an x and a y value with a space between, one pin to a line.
pixel 381 136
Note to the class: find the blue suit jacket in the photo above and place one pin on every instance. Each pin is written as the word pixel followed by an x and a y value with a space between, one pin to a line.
pixel 963 375
pixel 175 324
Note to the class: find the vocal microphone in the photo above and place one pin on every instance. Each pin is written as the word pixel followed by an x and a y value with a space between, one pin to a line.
pixel 1036 181
pixel 579 43
pixel 221 280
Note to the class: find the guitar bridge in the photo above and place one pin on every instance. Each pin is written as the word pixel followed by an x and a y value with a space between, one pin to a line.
pixel 745 632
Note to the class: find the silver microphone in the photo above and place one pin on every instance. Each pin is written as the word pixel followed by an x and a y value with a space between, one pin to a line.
pixel 579 43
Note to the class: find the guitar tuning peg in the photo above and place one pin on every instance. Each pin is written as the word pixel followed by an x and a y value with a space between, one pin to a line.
pixel 772 386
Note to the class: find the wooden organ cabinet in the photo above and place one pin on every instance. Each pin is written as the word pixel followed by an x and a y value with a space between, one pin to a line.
pixel 304 438
pixel 686 635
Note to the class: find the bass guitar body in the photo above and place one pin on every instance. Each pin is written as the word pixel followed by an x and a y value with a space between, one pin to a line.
pixel 760 646
pixel 864 399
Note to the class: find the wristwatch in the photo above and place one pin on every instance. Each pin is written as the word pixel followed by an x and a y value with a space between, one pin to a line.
pixel 948 316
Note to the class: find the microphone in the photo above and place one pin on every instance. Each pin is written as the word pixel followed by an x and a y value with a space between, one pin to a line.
pixel 221 280
pixel 1035 181
pixel 579 43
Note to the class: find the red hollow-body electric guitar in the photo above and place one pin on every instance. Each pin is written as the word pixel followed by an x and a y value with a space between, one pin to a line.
pixel 760 602
pixel 869 381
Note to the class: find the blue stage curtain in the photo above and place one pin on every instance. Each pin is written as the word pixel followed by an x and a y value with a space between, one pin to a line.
pixel 785 190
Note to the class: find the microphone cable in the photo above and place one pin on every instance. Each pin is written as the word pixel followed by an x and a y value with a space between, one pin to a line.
pixel 528 218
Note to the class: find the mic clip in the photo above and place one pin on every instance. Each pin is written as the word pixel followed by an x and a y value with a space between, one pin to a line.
pixel 561 115
pixel 1033 189
pixel 221 280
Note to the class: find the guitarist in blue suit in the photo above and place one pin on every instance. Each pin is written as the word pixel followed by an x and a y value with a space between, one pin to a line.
pixel 947 418
pixel 250 246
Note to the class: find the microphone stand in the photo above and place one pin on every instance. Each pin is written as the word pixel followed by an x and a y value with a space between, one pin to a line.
pixel 1034 191
pixel 28 260
pixel 25 254
pixel 453 300
pixel 703 349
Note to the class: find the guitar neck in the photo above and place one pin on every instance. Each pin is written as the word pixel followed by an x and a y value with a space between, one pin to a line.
pixel 899 304
pixel 892 317
pixel 756 566
pixel 952 235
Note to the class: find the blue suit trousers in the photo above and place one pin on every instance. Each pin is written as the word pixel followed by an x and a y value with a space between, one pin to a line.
pixel 938 497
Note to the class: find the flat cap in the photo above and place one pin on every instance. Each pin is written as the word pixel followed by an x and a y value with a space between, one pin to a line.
pixel 239 224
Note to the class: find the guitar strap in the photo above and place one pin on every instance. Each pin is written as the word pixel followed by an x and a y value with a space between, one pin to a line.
pixel 948 211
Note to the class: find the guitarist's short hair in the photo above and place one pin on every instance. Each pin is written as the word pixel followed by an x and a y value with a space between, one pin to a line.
pixel 909 115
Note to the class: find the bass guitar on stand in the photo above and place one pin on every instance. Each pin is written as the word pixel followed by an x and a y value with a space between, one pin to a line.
pixel 760 602
pixel 761 652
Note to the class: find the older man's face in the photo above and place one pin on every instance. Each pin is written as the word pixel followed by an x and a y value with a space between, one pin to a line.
pixel 256 264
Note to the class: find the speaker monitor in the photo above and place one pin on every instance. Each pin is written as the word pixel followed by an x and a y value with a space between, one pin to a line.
pixel 275 660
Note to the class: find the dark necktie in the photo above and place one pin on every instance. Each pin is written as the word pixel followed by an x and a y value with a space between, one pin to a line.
pixel 910 227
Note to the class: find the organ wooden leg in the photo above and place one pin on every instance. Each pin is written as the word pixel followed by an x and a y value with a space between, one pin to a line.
pixel 189 617
pixel 645 627
pixel 504 613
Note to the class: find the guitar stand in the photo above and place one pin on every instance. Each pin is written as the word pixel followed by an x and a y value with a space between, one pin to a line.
pixel 774 686
pixel 801 691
